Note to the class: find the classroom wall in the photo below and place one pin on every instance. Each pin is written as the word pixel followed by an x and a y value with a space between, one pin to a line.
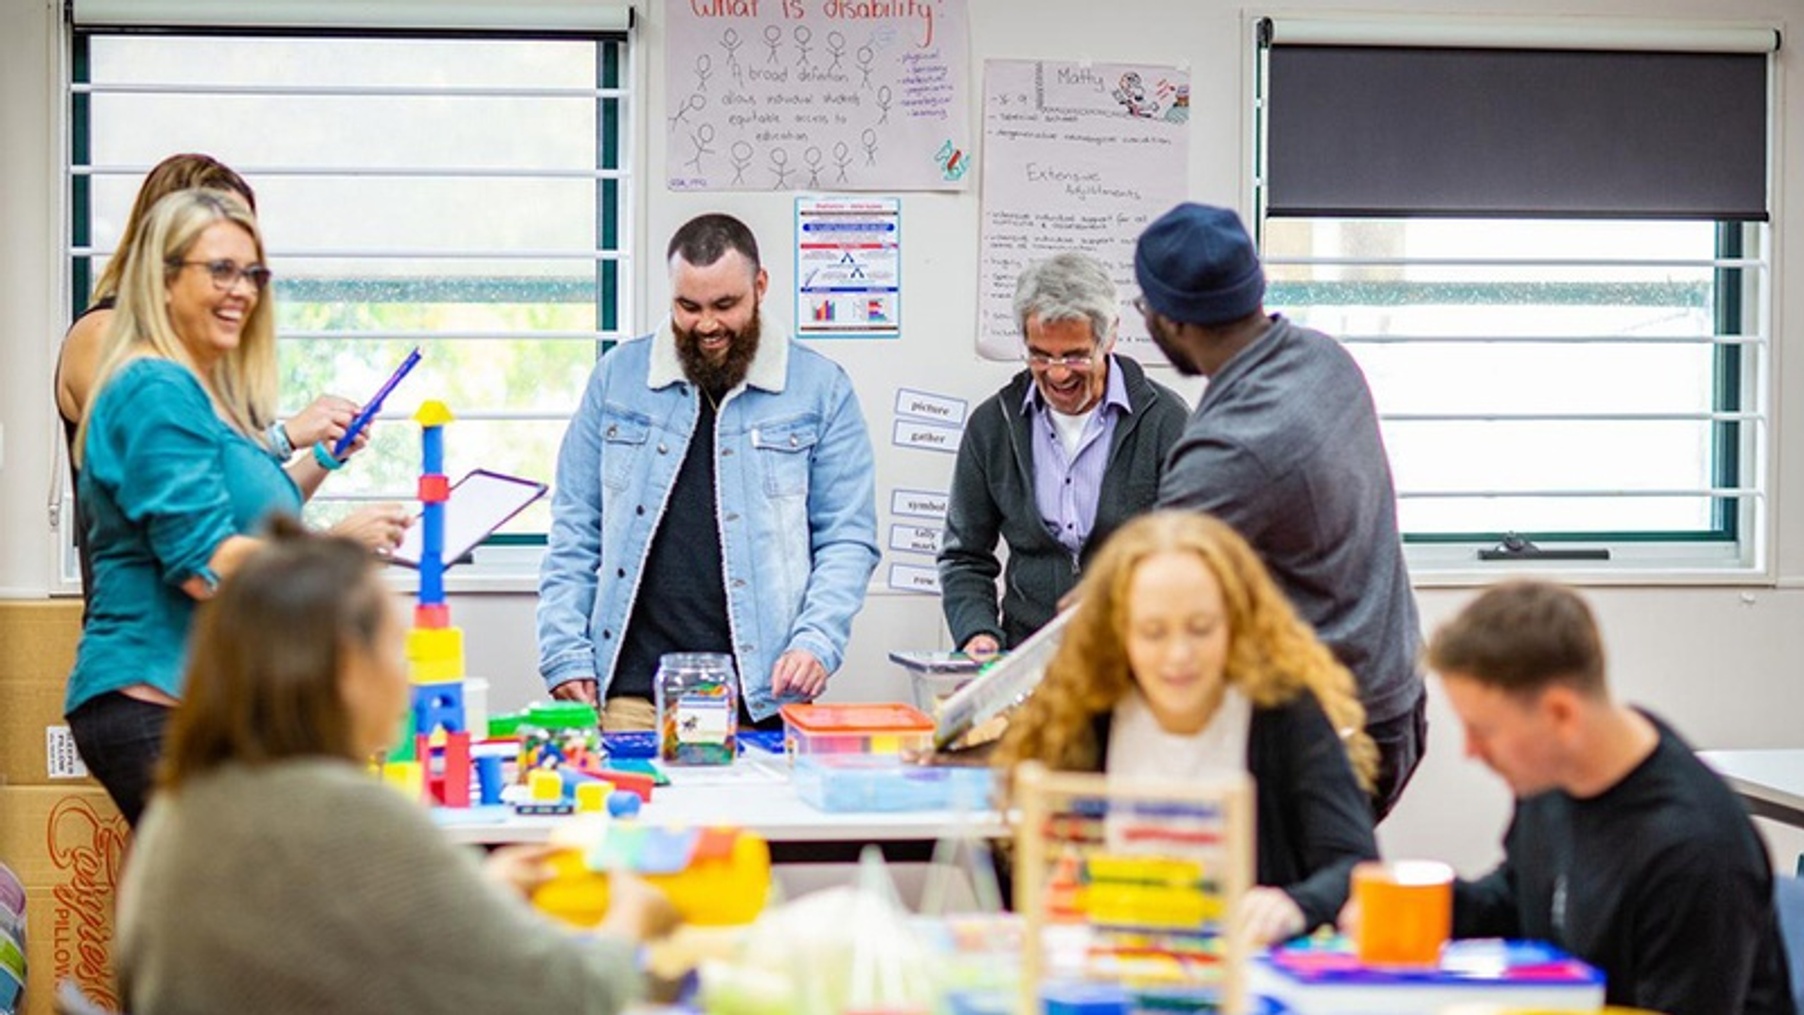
pixel 1723 662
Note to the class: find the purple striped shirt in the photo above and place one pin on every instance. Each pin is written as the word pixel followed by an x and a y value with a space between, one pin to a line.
pixel 1066 488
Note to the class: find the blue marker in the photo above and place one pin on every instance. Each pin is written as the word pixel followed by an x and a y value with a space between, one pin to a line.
pixel 374 405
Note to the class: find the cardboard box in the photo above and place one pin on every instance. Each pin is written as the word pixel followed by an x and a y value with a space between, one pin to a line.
pixel 37 649
pixel 67 845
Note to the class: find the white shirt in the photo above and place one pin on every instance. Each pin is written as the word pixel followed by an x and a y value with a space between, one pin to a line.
pixel 1140 748
pixel 1071 428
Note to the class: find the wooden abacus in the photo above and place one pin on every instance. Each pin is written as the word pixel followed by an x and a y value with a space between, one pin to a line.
pixel 1136 883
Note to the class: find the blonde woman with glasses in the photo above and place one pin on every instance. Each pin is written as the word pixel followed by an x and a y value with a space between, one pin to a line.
pixel 176 472
pixel 85 345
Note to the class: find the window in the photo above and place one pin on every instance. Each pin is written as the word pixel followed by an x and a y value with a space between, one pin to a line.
pixel 1564 346
pixel 464 193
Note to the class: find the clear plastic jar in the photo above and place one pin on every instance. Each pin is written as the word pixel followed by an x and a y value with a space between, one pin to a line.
pixel 560 734
pixel 698 709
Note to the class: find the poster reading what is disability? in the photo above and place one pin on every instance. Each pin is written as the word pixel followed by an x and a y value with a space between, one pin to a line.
pixel 1076 156
pixel 817 95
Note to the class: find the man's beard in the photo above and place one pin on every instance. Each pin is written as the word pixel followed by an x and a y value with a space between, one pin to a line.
pixel 718 377
pixel 1179 359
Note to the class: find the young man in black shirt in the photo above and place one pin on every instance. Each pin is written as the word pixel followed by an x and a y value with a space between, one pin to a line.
pixel 1624 850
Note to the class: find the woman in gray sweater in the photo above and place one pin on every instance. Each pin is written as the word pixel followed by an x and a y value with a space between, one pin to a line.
pixel 273 874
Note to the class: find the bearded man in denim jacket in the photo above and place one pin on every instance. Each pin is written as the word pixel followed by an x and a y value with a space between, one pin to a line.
pixel 715 493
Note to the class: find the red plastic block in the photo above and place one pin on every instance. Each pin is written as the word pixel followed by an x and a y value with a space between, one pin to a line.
pixel 632 782
pixel 434 489
pixel 433 617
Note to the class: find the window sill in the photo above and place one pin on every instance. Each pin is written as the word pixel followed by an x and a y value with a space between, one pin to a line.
pixel 1676 564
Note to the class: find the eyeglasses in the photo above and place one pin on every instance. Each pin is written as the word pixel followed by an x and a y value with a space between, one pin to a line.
pixel 225 274
pixel 1070 361
pixel 1140 305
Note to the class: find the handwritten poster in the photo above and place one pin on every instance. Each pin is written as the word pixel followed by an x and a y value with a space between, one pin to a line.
pixel 849 267
pixel 817 95
pixel 1076 157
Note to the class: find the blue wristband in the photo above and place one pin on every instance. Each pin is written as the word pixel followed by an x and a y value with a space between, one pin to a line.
pixel 279 444
pixel 323 456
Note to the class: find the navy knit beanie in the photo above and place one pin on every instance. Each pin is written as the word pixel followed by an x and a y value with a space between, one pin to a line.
pixel 1196 265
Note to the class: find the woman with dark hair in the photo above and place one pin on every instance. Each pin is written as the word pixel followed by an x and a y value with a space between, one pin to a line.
pixel 1184 657
pixel 274 873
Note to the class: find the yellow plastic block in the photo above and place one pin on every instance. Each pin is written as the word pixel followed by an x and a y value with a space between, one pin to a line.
pixel 711 893
pixel 545 786
pixel 592 796
pixel 406 776
pixel 433 413
pixel 435 655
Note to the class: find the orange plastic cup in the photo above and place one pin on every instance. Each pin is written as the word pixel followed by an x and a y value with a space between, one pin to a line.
pixel 1405 912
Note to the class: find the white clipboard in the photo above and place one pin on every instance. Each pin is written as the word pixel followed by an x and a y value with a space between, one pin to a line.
pixel 480 503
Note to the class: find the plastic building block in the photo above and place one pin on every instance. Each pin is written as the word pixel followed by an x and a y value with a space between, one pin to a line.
pixel 432 617
pixel 438 706
pixel 406 776
pixel 435 655
pixel 714 877
pixel 545 786
pixel 623 803
pixel 446 769
pixel 434 489
pixel 632 782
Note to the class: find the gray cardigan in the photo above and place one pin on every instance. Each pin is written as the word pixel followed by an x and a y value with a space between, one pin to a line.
pixel 1284 446
pixel 993 495
pixel 309 886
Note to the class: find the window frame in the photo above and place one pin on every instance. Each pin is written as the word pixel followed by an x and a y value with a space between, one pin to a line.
pixel 505 562
pixel 1736 548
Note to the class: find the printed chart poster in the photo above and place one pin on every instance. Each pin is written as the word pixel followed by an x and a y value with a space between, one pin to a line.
pixel 1076 157
pixel 848 267
pixel 817 95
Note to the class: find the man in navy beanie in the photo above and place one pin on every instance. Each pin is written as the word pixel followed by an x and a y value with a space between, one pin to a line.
pixel 1284 446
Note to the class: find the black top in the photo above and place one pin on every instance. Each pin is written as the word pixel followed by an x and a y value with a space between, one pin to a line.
pixel 1314 822
pixel 688 612
pixel 1660 881
pixel 77 518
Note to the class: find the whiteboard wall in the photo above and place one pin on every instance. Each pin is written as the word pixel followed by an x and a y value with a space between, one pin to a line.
pixel 934 363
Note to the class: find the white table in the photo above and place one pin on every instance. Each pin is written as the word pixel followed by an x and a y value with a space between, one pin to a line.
pixel 1771 781
pixel 754 794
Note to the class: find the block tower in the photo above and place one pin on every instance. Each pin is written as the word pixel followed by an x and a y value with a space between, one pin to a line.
pixel 437 735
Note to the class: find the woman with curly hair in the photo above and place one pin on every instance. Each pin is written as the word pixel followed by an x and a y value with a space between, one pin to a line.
pixel 1184 657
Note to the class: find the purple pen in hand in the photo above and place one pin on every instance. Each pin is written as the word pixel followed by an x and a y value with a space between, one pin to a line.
pixel 374 405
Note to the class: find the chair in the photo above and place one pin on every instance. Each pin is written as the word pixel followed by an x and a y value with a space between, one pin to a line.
pixel 1788 899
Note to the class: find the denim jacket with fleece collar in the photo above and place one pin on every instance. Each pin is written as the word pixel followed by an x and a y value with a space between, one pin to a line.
pixel 795 495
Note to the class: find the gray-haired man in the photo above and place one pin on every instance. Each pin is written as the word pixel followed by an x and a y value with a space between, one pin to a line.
pixel 1068 450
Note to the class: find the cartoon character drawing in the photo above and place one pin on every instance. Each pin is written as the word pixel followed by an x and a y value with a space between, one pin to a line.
pixel 1132 95
pixel 952 161
pixel 842 157
pixel 703 139
pixel 742 157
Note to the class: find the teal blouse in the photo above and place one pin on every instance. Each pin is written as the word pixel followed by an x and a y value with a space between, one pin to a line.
pixel 163 482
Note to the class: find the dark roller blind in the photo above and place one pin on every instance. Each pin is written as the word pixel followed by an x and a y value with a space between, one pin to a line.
pixel 1393 131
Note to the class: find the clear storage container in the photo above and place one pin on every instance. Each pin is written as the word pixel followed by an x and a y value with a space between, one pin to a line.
pixel 698 709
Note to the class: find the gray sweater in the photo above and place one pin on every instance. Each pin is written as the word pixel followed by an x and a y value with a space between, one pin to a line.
pixel 1284 446
pixel 993 496
pixel 306 886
